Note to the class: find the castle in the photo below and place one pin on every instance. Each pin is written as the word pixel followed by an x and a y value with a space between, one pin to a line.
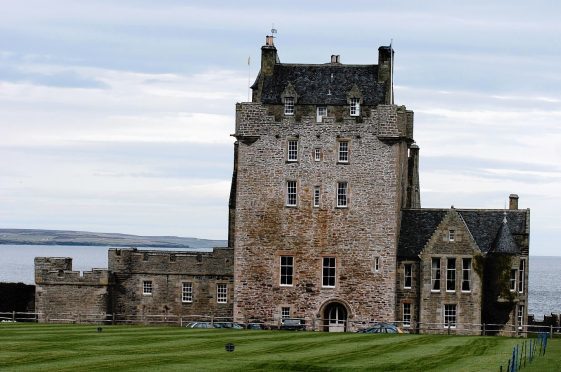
pixel 325 224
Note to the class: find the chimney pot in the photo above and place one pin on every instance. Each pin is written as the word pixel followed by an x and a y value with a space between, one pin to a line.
pixel 269 40
pixel 335 58
pixel 513 201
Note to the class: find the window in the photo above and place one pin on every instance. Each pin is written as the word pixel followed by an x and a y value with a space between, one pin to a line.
pixel 435 275
pixel 291 193
pixel 147 288
pixel 466 274
pixel 289 105
pixel 520 316
pixel 406 315
pixel 521 277
pixel 286 270
pixel 450 316
pixel 316 196
pixel 451 275
pixel 513 280
pixel 317 154
pixel 408 273
pixel 343 152
pixel 328 272
pixel 376 264
pixel 285 312
pixel 187 292
pixel 321 113
pixel 355 106
pixel 342 194
pixel 221 293
pixel 451 235
pixel 292 151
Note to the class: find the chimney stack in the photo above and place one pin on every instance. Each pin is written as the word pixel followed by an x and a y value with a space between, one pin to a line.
pixel 335 58
pixel 513 201
pixel 269 40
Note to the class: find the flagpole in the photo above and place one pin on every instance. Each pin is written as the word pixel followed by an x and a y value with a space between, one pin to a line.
pixel 248 77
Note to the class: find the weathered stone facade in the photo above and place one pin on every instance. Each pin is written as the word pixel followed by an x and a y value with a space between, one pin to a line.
pixel 325 224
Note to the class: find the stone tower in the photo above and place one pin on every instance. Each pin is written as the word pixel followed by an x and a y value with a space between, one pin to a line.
pixel 324 164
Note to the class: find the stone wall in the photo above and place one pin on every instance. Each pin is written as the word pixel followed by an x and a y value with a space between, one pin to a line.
pixel 167 271
pixel 61 293
pixel 265 228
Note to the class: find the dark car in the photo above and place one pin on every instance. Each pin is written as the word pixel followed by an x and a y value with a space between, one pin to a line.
pixel 381 328
pixel 291 324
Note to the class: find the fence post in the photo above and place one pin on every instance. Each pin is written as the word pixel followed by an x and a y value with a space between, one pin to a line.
pixel 13 316
pixel 551 331
pixel 483 329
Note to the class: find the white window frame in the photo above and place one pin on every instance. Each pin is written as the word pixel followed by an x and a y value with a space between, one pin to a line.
pixel 285 312
pixel 451 274
pixel 147 287
pixel 291 193
pixel 329 272
pixel 321 112
pixel 466 274
pixel 186 292
pixel 521 275
pixel 222 293
pixel 342 194
pixel 354 108
pixel 406 321
pixel 520 316
pixel 292 150
pixel 513 281
pixel 317 154
pixel 451 235
pixel 407 274
pixel 317 196
pixel 343 151
pixel 286 278
pixel 376 264
pixel 436 275
pixel 289 106
pixel 450 317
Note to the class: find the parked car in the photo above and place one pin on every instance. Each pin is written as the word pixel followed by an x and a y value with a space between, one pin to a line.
pixel 204 325
pixel 291 324
pixel 230 325
pixel 255 325
pixel 381 328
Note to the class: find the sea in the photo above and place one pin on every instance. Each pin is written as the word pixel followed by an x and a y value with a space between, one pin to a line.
pixel 16 265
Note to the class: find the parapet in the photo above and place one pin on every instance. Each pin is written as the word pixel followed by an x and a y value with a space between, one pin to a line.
pixel 58 270
pixel 219 261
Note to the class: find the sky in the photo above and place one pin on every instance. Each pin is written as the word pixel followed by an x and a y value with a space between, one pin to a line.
pixel 116 116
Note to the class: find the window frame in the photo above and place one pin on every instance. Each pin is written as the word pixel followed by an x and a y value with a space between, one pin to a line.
pixel 317 154
pixel 221 293
pixel 520 316
pixel 407 276
pixel 450 274
pixel 450 315
pixel 292 150
pixel 451 235
pixel 285 312
pixel 466 274
pixel 147 287
pixel 342 194
pixel 320 116
pixel 289 106
pixel 521 275
pixel 406 315
pixel 329 272
pixel 354 106
pixel 291 193
pixel 187 292
pixel 316 197
pixel 436 275
pixel 376 264
pixel 343 151
pixel 286 272
pixel 513 280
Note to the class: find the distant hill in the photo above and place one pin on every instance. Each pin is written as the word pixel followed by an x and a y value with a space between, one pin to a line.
pixel 62 237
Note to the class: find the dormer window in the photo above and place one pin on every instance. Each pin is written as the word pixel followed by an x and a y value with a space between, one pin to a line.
pixel 355 107
pixel 321 113
pixel 289 105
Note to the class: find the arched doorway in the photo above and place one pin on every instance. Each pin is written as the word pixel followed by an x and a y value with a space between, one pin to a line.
pixel 335 317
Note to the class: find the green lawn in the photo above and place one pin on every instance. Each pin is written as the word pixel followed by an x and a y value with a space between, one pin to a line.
pixel 34 347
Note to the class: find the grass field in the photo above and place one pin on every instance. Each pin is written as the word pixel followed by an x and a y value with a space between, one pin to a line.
pixel 44 347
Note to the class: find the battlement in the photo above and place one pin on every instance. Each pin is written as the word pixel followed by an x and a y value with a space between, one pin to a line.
pixel 387 122
pixel 58 270
pixel 131 260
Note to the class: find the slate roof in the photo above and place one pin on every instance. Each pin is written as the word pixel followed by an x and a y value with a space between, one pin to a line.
pixel 504 242
pixel 313 83
pixel 418 225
